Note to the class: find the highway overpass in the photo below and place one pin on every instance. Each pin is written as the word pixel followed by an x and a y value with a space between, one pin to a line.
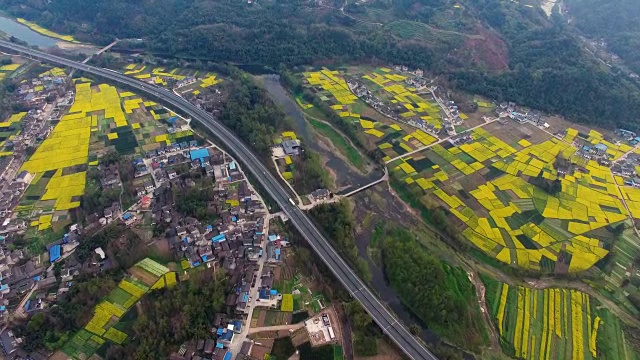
pixel 387 321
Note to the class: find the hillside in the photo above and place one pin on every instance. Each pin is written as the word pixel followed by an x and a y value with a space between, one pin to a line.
pixel 618 23
pixel 503 50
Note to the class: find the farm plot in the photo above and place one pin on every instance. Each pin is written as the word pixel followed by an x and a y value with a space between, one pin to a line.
pixel 186 81
pixel 69 142
pixel 287 303
pixel 145 275
pixel 9 129
pixel 66 147
pixel 285 165
pixel 7 70
pixel 82 345
pixel 392 139
pixel 555 324
pixel 46 32
pixel 157 75
pixel 196 85
pixel 100 119
pixel 148 127
pixel 403 100
pixel 276 318
pixel 519 208
pixel 299 297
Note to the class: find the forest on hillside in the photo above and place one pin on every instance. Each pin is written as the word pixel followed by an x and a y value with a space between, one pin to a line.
pixel 543 63
pixel 616 22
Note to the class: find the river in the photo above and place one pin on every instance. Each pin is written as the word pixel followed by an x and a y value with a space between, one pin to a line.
pixel 347 177
pixel 24 33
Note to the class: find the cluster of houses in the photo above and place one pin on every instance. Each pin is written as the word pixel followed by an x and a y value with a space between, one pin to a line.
pixel 250 289
pixel 405 69
pixel 462 138
pixel 31 284
pixel 625 166
pixel 34 92
pixel 236 240
pixel 451 117
pixel 596 152
pixel 510 110
pixel 392 111
pixel 236 235
pixel 33 128
pixel 162 164
pixel 109 176
pixel 217 346
pixel 12 192
pixel 237 226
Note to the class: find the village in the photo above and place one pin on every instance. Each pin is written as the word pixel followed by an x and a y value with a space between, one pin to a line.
pixel 236 235
pixel 200 206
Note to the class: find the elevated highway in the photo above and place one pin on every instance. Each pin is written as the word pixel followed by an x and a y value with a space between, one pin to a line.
pixel 387 321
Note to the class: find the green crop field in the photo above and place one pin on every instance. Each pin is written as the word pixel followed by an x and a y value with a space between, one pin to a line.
pixel 105 324
pixel 555 324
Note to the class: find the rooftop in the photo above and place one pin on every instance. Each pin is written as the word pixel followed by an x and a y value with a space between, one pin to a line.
pixel 198 154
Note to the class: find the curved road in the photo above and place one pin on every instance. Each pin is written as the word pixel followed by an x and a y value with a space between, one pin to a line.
pixel 390 325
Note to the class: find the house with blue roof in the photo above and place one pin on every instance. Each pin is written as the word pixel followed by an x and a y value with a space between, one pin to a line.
pixel 237 326
pixel 199 154
pixel 226 338
pixel 218 238
pixel 601 148
pixel 54 253
pixel 273 252
pixel 263 294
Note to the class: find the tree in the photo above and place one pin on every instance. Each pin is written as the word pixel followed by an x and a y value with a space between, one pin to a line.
pixel 358 316
pixel 438 294
pixel 415 329
pixel 336 221
pixel 175 315
pixel 556 187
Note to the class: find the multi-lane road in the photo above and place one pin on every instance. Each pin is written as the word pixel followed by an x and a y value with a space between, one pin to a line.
pixel 391 326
